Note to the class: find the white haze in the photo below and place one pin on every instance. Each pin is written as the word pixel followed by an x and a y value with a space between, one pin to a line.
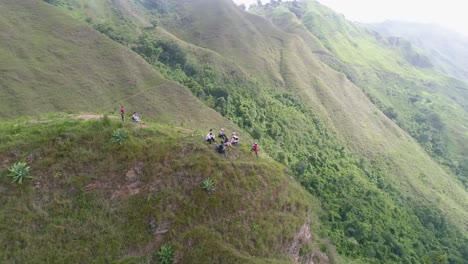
pixel 450 14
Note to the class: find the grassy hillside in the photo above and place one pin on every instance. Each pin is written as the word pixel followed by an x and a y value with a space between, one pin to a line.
pixel 307 117
pixel 418 98
pixel 91 200
pixel 415 97
pixel 50 62
pixel 384 199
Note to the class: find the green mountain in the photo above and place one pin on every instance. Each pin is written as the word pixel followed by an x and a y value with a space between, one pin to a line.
pixel 365 124
pixel 51 62
pixel 413 96
pixel 92 200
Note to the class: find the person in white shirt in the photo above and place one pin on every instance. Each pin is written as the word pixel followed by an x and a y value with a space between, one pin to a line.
pixel 234 139
pixel 135 117
pixel 210 137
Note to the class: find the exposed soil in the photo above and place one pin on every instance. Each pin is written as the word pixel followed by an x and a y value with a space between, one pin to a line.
pixel 127 186
pixel 87 117
pixel 304 237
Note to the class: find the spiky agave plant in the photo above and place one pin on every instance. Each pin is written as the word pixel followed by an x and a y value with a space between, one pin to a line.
pixel 166 254
pixel 19 171
pixel 208 184
pixel 119 136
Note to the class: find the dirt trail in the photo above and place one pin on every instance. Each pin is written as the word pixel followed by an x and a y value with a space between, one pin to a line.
pixel 87 117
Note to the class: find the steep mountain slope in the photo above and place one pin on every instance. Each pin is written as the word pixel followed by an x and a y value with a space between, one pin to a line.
pixel 347 110
pixel 290 84
pixel 448 50
pixel 91 200
pixel 49 62
pixel 416 98
pixel 333 95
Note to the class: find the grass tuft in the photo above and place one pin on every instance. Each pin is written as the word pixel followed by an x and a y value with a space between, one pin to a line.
pixel 166 254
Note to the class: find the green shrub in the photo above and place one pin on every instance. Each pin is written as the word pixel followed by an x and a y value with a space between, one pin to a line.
pixel 106 120
pixel 19 171
pixel 208 184
pixel 256 228
pixel 166 254
pixel 119 136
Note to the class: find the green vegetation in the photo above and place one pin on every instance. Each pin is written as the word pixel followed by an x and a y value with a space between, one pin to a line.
pixel 208 185
pixel 325 98
pixel 56 63
pixel 97 201
pixel 166 254
pixel 320 162
pixel 119 136
pixel 389 72
pixel 19 172
pixel 49 61
pixel 401 98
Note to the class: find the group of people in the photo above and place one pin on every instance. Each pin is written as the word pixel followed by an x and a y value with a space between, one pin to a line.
pixel 210 137
pixel 135 116
pixel 225 142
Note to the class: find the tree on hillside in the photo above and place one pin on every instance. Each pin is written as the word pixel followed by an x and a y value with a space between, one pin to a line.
pixel 160 5
pixel 391 113
pixel 296 9
pixel 108 29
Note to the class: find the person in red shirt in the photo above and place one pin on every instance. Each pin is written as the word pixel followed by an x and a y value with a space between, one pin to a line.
pixel 255 149
pixel 122 113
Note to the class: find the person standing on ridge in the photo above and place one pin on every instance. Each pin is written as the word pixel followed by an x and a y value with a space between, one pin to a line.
pixel 122 113
pixel 255 149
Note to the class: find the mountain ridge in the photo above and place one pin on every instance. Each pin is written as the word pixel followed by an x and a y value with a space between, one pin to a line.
pixel 296 85
pixel 122 202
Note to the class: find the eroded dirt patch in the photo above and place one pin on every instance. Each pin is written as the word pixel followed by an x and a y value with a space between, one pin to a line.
pixel 304 237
